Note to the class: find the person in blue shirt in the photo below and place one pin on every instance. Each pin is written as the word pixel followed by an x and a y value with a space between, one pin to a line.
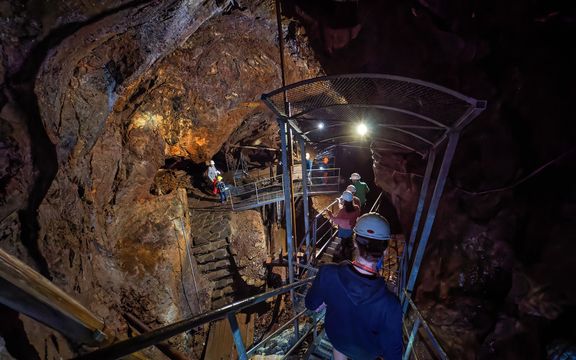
pixel 221 189
pixel 363 318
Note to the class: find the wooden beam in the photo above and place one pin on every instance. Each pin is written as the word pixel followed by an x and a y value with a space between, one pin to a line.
pixel 26 291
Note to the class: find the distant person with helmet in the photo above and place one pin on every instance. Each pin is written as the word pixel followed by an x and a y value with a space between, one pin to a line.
pixel 363 318
pixel 212 171
pixel 211 174
pixel 221 189
pixel 362 188
pixel 345 219
pixel 355 198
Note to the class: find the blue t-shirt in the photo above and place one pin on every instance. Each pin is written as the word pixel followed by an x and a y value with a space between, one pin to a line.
pixel 363 318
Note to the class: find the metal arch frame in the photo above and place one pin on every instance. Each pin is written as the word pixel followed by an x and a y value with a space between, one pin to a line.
pixel 391 142
pixel 373 106
pixel 423 139
pixel 440 88
pixel 427 205
pixel 342 122
pixel 386 126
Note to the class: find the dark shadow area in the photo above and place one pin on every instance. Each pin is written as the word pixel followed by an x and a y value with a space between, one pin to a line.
pixel 12 331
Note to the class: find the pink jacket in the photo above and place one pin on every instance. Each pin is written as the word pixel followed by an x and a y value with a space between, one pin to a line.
pixel 346 220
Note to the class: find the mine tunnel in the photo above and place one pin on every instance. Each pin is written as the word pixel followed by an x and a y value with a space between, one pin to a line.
pixel 173 175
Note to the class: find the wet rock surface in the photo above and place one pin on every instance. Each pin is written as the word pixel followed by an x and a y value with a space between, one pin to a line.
pixel 230 249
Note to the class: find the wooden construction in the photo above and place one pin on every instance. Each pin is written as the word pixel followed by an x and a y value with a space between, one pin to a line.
pixel 26 291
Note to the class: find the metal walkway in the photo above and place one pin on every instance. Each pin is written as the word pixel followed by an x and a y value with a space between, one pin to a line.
pixel 271 190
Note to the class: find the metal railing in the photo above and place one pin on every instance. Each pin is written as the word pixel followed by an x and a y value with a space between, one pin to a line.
pixel 145 340
pixel 270 190
pixel 428 343
pixel 322 234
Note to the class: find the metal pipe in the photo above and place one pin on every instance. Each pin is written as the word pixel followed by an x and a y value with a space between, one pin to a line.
pixel 439 350
pixel 431 215
pixel 314 235
pixel 417 217
pixel 284 326
pixel 296 344
pixel 377 202
pixel 162 346
pixel 237 336
pixel 305 197
pixel 287 207
pixel 411 339
pixel 421 200
pixel 139 342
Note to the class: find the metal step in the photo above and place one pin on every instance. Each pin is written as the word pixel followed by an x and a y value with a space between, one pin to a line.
pixel 321 349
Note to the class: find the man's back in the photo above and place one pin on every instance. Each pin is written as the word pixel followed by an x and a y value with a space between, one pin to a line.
pixel 363 319
pixel 361 190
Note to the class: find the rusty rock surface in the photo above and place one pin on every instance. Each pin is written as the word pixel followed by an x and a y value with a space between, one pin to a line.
pixel 248 243
pixel 127 86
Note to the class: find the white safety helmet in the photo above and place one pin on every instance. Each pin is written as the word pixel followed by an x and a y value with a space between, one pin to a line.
pixel 212 162
pixel 351 188
pixel 372 226
pixel 355 176
pixel 347 196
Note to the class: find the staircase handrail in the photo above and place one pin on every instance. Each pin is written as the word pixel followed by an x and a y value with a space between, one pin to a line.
pixel 376 204
pixel 155 336
pixel 420 321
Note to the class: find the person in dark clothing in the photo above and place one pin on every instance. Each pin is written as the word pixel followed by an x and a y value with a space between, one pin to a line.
pixel 345 219
pixel 363 318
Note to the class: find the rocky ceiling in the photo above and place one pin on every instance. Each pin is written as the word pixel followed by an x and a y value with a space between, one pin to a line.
pixel 95 97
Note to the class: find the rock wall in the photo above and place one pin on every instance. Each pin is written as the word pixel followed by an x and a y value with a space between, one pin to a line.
pixel 93 102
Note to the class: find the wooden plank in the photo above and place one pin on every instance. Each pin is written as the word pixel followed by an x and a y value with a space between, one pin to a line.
pixel 28 292
pixel 220 345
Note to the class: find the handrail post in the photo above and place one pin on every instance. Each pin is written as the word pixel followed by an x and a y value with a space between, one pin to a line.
pixel 256 187
pixel 314 237
pixel 417 217
pixel 305 197
pixel 287 188
pixel 231 200
pixel 411 339
pixel 240 348
pixel 431 215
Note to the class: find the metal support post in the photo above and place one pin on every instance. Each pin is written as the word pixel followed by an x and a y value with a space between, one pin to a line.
pixel 305 197
pixel 431 215
pixel 237 337
pixel 231 200
pixel 287 188
pixel 417 217
pixel 411 339
pixel 314 237
pixel 421 200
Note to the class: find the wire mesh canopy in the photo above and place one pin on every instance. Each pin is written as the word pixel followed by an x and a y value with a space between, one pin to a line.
pixel 400 113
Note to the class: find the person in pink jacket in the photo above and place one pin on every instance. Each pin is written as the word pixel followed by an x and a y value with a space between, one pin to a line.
pixel 345 219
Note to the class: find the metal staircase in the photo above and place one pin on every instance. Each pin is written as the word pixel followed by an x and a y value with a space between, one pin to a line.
pixel 271 190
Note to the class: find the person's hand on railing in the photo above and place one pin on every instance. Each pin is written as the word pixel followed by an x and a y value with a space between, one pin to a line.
pixel 318 314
